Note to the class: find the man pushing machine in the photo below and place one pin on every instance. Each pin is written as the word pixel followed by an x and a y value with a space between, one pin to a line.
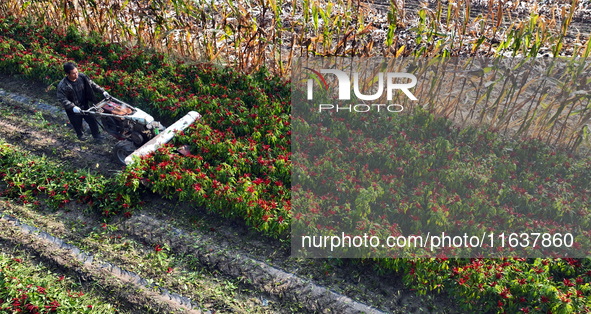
pixel 74 92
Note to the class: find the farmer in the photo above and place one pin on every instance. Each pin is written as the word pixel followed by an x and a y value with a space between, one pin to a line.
pixel 74 92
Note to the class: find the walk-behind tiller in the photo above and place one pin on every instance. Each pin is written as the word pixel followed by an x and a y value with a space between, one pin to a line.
pixel 137 132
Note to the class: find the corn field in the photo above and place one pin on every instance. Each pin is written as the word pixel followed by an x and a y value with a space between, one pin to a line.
pixel 253 33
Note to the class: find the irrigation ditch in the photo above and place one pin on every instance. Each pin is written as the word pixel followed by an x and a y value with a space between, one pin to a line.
pixel 210 264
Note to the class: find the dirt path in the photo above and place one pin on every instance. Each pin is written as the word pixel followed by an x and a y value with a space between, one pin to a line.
pixel 31 120
pixel 209 263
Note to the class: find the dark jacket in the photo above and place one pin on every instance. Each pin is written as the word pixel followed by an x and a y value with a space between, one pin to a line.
pixel 67 96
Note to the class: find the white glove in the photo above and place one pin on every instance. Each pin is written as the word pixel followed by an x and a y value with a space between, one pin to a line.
pixel 76 109
pixel 106 95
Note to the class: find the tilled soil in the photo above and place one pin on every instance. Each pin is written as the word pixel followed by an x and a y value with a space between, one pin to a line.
pixel 268 280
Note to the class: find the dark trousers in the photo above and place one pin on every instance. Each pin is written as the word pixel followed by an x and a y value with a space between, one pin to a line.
pixel 77 119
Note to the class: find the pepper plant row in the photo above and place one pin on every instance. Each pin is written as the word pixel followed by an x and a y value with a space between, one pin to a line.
pixel 33 289
pixel 38 181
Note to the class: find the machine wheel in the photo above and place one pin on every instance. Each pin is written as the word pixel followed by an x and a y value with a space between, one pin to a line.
pixel 123 149
pixel 110 125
